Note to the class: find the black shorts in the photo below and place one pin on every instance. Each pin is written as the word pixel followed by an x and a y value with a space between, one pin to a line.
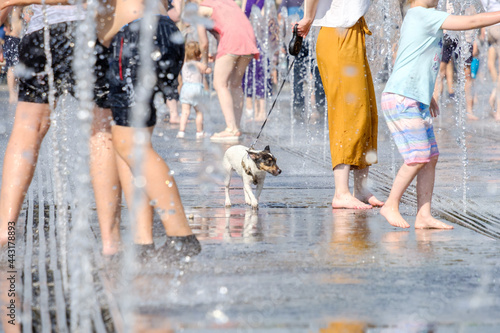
pixel 451 49
pixel 124 63
pixel 33 81
pixel 11 51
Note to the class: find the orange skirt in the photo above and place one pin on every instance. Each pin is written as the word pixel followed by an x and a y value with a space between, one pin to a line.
pixel 352 107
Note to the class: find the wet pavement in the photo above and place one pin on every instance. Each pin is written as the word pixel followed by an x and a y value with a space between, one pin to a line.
pixel 296 265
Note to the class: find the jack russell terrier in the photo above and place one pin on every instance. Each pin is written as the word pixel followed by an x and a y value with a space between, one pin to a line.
pixel 252 166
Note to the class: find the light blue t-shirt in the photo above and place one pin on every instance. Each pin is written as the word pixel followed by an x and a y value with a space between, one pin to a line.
pixel 419 54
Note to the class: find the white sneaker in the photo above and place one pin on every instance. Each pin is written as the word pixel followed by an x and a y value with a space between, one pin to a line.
pixel 180 135
pixel 200 135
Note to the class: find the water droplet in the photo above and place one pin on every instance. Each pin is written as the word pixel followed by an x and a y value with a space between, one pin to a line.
pixel 140 181
pixel 219 316
pixel 350 70
pixel 371 157
pixel 156 55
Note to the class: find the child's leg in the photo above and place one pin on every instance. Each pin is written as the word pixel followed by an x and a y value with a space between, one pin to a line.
pixel 425 186
pixel 105 181
pixel 31 123
pixel 199 119
pixel 186 110
pixel 172 106
pixel 160 185
pixel 403 179
pixel 469 98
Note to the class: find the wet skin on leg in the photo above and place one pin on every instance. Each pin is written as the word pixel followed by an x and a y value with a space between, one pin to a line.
pixel 343 197
pixel 160 186
pixel 228 73
pixel 425 187
pixel 403 179
pixel 31 123
pixel 361 190
pixel 142 223
pixel 105 181
pixel 186 110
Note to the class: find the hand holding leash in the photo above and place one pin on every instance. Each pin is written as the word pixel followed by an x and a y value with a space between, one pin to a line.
pixel 295 43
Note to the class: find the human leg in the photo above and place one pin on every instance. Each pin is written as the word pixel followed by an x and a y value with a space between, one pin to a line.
pixel 449 78
pixel 222 74
pixel 361 190
pixel 12 84
pixel 160 186
pixel 492 67
pixel 425 187
pixel 235 86
pixel 343 197
pixel 410 126
pixel 469 98
pixel 260 115
pixel 105 181
pixel 186 110
pixel 438 89
pixel 199 119
pixel 143 220
pixel 390 210
pixel 172 107
pixel 31 123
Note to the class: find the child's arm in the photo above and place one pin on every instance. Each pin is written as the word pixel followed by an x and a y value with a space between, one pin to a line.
pixel 203 68
pixel 457 22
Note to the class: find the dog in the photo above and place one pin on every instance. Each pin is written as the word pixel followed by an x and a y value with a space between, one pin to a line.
pixel 252 165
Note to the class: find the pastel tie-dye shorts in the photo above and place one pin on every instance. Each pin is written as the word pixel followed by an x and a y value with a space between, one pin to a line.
pixel 411 127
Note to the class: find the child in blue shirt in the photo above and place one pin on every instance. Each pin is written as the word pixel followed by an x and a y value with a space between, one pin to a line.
pixel 408 105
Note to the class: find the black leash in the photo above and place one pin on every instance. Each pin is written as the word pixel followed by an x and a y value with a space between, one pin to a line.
pixel 294 50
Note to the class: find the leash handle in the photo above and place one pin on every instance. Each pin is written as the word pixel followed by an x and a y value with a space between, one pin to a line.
pixel 272 106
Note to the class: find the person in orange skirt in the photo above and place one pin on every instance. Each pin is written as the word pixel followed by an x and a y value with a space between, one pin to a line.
pixel 352 109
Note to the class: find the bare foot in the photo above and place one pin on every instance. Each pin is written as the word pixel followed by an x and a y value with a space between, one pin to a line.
pixel 393 216
pixel 349 202
pixel 370 199
pixel 471 116
pixel 430 223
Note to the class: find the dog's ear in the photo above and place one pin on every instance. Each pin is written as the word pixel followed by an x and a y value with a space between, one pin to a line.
pixel 267 149
pixel 253 154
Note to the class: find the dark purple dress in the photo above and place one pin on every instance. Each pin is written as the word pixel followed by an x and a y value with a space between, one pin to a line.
pixel 256 67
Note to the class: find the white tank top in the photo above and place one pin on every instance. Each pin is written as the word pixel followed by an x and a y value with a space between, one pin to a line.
pixel 55 14
pixel 190 73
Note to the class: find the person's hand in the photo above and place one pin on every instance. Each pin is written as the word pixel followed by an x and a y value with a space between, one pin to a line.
pixel 208 70
pixel 304 26
pixel 1 54
pixel 434 108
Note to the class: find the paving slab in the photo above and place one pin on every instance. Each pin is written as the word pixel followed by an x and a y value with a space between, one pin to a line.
pixel 296 264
